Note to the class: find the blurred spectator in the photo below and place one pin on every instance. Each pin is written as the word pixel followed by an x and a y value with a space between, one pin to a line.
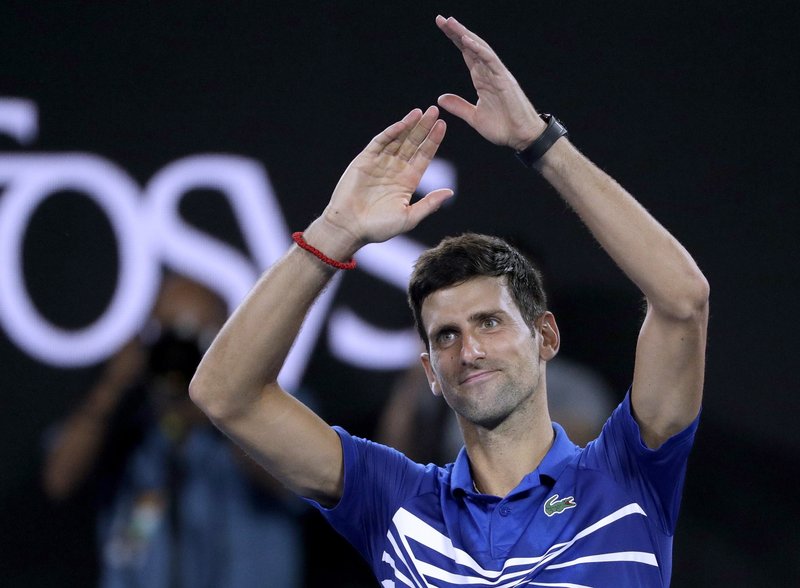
pixel 179 505
pixel 578 398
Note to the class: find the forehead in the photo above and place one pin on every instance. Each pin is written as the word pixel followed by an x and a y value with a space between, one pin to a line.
pixel 462 301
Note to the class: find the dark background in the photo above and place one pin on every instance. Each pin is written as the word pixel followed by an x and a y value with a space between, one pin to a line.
pixel 691 106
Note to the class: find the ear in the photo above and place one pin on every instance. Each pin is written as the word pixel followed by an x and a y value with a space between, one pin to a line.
pixel 429 373
pixel 551 338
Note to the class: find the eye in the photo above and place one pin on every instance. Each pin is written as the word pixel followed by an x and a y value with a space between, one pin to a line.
pixel 446 337
pixel 490 322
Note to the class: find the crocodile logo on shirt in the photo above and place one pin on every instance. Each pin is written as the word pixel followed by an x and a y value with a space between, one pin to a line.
pixel 555 506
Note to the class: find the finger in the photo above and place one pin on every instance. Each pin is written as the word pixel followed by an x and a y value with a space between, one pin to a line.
pixel 390 139
pixel 477 52
pixel 465 32
pixel 418 134
pixel 445 26
pixel 457 106
pixel 456 32
pixel 427 150
pixel 427 205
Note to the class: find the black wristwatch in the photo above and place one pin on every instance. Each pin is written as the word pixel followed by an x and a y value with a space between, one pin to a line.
pixel 552 133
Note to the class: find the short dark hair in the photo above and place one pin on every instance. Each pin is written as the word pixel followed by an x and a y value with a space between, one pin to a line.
pixel 457 259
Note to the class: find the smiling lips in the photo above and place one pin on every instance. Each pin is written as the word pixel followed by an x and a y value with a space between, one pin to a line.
pixel 477 376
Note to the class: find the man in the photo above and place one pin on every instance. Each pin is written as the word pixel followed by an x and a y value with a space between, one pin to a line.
pixel 521 505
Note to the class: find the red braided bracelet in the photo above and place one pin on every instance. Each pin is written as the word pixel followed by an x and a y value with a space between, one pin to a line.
pixel 303 244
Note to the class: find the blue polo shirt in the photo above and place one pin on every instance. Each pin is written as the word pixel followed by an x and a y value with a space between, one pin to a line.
pixel 602 516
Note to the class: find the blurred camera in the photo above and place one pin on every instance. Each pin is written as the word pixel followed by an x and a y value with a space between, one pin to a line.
pixel 175 353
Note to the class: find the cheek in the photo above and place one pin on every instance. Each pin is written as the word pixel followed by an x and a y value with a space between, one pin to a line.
pixel 444 365
pixel 443 356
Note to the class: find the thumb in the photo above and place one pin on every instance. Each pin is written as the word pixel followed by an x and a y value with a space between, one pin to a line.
pixel 457 106
pixel 428 205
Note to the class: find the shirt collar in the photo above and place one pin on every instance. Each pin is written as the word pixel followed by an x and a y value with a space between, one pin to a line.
pixel 551 466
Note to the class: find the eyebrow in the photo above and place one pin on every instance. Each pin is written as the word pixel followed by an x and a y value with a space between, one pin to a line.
pixel 484 314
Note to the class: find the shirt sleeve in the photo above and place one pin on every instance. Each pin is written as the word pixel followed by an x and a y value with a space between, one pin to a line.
pixel 377 481
pixel 654 476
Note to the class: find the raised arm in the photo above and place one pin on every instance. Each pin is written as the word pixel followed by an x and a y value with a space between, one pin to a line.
pixel 670 353
pixel 80 440
pixel 236 383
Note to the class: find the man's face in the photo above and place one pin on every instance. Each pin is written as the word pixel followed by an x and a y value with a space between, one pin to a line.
pixel 484 359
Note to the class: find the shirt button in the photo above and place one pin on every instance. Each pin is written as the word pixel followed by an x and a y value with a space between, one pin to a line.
pixel 505 511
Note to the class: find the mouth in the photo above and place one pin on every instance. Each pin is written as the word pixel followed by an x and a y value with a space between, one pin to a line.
pixel 475 377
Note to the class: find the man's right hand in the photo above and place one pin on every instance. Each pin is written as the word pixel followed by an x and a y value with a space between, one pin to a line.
pixel 372 201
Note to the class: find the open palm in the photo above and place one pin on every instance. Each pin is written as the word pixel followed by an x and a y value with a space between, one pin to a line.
pixel 372 200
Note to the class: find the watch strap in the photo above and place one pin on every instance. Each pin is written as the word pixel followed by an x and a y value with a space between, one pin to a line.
pixel 552 133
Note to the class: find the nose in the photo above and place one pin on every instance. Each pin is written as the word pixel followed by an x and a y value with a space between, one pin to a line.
pixel 471 349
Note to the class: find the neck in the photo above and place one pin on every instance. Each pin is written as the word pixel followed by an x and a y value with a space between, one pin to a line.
pixel 500 458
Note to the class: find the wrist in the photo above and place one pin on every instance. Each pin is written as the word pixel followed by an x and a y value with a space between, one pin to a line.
pixel 529 135
pixel 531 155
pixel 333 241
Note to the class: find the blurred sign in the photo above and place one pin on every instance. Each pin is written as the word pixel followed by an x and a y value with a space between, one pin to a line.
pixel 150 230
